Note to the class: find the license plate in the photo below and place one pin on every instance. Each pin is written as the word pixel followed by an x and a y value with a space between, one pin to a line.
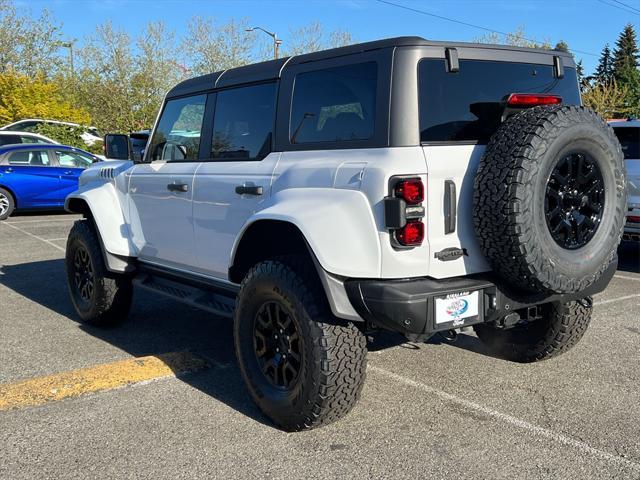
pixel 454 308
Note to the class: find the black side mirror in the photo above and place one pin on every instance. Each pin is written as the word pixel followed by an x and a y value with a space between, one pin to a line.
pixel 117 146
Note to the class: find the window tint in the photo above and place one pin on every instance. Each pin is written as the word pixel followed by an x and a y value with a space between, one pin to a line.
pixel 27 157
pixel 177 136
pixel 466 105
pixel 335 104
pixel 9 139
pixel 26 139
pixel 629 138
pixel 243 122
pixel 73 159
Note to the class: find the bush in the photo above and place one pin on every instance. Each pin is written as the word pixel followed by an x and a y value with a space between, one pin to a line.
pixel 68 135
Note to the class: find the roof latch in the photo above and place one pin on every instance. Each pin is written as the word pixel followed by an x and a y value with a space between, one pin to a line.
pixel 451 54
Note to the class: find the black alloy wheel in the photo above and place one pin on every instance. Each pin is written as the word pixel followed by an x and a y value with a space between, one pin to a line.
pixel 83 275
pixel 277 345
pixel 574 200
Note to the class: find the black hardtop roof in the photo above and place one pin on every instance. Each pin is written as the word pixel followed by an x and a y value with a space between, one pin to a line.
pixel 272 69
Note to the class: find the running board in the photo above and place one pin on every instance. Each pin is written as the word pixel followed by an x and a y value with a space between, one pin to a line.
pixel 205 298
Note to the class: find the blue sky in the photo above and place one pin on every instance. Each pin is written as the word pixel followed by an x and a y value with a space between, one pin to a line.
pixel 584 24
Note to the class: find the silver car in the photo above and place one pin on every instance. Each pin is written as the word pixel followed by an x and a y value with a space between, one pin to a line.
pixel 628 133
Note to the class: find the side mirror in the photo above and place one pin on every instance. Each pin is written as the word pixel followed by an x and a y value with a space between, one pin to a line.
pixel 117 146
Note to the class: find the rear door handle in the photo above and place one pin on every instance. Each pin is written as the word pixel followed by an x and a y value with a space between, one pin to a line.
pixel 249 190
pixel 178 187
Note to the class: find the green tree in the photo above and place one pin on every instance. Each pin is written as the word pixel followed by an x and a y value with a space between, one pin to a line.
pixel 604 71
pixel 562 46
pixel 607 99
pixel 626 54
pixel 28 45
pixel 24 97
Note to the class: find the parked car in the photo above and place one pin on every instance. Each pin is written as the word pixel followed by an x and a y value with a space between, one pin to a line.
pixel 39 176
pixel 90 136
pixel 14 138
pixel 401 184
pixel 628 132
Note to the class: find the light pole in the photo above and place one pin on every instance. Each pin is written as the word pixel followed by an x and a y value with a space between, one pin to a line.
pixel 276 41
pixel 68 45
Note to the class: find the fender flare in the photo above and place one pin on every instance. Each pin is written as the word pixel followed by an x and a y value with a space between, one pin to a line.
pixel 337 224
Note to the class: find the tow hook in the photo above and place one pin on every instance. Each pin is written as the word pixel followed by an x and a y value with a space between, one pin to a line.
pixel 449 335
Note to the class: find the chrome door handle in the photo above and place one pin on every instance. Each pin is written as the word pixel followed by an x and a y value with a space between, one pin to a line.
pixel 178 187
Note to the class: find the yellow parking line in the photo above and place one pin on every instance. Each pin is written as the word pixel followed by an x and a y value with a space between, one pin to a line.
pixel 40 390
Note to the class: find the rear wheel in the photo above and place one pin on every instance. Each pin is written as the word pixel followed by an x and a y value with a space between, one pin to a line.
pixel 99 297
pixel 561 327
pixel 303 367
pixel 7 204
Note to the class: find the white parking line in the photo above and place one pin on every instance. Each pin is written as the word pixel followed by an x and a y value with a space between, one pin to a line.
pixel 62 220
pixel 55 239
pixel 516 422
pixel 612 300
pixel 624 277
pixel 34 236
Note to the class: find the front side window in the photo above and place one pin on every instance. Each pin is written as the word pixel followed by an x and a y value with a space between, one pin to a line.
pixel 629 138
pixel 73 159
pixel 334 104
pixel 28 139
pixel 466 105
pixel 177 136
pixel 30 158
pixel 9 139
pixel 243 122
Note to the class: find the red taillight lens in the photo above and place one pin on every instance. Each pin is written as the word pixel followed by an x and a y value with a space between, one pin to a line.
pixel 633 219
pixel 411 235
pixel 532 100
pixel 410 190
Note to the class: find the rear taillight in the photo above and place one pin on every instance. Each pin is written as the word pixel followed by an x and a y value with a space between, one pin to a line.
pixel 532 99
pixel 410 190
pixel 633 219
pixel 411 235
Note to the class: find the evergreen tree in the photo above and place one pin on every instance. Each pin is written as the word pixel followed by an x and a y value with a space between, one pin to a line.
pixel 604 70
pixel 561 46
pixel 626 54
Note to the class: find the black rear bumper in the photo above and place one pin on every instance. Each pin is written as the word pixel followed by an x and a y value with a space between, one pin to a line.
pixel 408 305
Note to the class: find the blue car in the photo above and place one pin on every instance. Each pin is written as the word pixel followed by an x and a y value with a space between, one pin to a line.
pixel 39 176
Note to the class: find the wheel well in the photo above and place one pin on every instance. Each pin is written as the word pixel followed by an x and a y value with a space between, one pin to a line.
pixel 13 195
pixel 78 205
pixel 266 239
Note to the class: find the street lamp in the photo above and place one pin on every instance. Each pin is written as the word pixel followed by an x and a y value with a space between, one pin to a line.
pixel 276 41
pixel 68 45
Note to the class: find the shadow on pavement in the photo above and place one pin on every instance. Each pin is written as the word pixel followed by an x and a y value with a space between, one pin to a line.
pixel 155 325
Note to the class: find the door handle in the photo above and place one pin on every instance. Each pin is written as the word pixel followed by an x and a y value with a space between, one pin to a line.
pixel 249 190
pixel 178 187
pixel 68 172
pixel 9 170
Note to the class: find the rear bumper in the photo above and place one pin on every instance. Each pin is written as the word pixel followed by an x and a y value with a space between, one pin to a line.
pixel 408 306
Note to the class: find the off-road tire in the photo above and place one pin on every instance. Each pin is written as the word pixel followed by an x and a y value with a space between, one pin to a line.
pixel 9 203
pixel 111 296
pixel 561 327
pixel 509 199
pixel 333 369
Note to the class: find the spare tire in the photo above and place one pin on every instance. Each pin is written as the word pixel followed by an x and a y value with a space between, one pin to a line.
pixel 550 198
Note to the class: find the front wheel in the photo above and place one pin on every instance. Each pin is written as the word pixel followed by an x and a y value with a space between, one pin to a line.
pixel 303 367
pixel 561 327
pixel 100 298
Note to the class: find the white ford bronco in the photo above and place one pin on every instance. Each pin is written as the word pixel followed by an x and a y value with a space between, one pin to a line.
pixel 401 184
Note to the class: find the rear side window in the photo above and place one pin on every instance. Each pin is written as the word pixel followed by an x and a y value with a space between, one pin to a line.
pixel 177 136
pixel 629 138
pixel 465 106
pixel 73 159
pixel 243 122
pixel 31 158
pixel 335 104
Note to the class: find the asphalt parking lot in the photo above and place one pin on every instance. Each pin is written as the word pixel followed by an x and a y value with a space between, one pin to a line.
pixel 433 410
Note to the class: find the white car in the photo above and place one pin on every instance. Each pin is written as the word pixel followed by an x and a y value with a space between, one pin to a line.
pixel 90 136
pixel 628 132
pixel 11 137
pixel 402 184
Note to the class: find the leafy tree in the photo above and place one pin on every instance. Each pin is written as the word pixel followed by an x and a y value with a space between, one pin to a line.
pixel 24 97
pixel 608 99
pixel 604 71
pixel 28 45
pixel 517 38
pixel 68 135
pixel 561 46
pixel 312 37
